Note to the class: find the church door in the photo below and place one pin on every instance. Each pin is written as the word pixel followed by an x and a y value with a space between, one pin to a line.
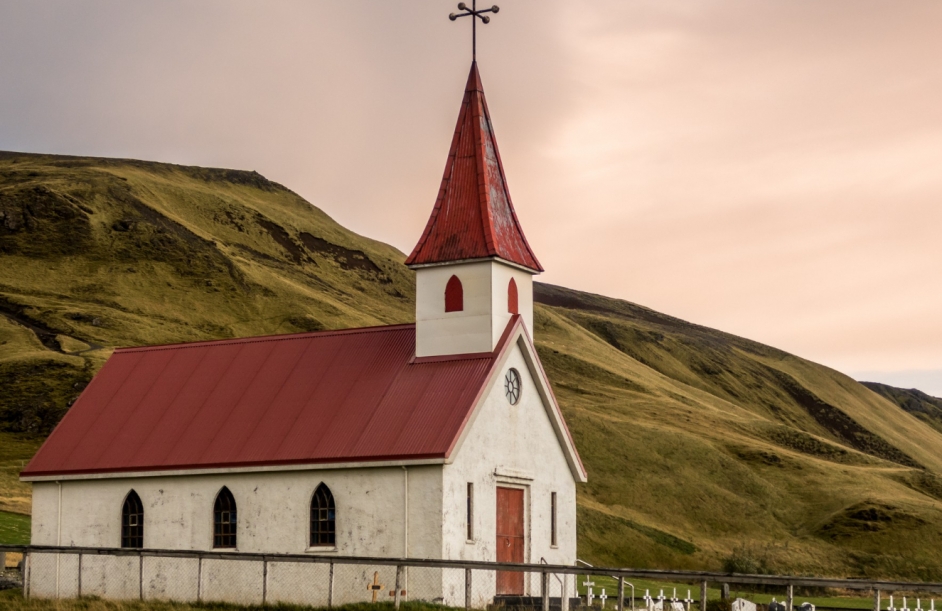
pixel 510 538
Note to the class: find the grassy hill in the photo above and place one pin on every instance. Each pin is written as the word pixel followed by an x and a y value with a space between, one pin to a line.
pixel 703 449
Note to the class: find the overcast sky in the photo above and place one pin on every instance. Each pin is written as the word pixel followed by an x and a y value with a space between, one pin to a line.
pixel 772 169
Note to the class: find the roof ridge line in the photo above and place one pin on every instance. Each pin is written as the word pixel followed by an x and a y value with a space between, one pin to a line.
pixel 263 338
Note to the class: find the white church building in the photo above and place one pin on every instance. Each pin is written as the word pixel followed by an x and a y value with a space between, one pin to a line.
pixel 440 439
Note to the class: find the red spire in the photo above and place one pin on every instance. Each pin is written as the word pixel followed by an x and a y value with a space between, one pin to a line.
pixel 473 216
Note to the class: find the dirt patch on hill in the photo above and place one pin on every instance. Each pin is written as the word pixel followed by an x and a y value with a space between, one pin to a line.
pixel 839 424
pixel 281 236
pixel 346 258
pixel 867 518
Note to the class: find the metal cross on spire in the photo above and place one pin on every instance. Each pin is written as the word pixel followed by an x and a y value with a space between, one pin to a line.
pixel 475 14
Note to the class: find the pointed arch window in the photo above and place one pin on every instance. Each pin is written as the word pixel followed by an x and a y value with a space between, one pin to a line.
pixel 225 520
pixel 323 517
pixel 132 522
pixel 512 306
pixel 454 295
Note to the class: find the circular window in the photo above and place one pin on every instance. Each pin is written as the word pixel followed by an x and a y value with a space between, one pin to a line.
pixel 512 386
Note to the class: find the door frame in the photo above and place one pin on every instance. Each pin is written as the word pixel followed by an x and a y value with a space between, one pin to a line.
pixel 503 482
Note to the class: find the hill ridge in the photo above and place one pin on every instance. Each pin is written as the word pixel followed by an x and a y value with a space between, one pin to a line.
pixel 697 442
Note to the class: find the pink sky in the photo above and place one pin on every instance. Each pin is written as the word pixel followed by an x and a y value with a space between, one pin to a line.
pixel 772 169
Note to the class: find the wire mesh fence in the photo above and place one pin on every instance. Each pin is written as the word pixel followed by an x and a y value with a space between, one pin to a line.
pixel 252 579
pixel 325 581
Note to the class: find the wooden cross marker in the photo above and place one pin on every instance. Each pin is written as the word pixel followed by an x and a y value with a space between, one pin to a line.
pixel 376 587
pixel 603 598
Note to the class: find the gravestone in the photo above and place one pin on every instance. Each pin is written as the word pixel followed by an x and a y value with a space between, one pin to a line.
pixel 776 605
pixel 806 606
pixel 741 604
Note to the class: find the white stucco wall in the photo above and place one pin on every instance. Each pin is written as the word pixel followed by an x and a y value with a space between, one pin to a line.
pixel 510 446
pixel 480 325
pixel 274 510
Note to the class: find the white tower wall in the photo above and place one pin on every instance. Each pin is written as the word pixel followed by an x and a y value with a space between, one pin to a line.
pixel 479 326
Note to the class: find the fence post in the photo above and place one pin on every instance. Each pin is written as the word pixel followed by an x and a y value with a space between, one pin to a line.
pixel 80 576
pixel 544 590
pixel 199 579
pixel 27 573
pixel 264 581
pixel 3 561
pixel 790 600
pixel 564 592
pixel 467 589
pixel 398 585
pixel 703 596
pixel 876 600
pixel 621 594
pixel 330 587
pixel 140 569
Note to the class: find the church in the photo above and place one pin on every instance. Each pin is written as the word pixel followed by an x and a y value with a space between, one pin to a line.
pixel 440 439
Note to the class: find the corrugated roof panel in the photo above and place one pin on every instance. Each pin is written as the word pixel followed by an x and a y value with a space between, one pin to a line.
pixel 473 216
pixel 341 396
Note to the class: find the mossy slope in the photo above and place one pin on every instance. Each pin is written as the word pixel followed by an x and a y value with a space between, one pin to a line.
pixel 696 442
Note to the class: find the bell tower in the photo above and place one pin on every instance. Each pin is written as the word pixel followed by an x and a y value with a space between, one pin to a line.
pixel 474 268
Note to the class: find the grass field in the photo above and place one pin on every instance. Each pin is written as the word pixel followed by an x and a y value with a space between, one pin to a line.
pixel 14 528
pixel 697 443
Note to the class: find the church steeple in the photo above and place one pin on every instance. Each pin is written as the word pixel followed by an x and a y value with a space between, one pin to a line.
pixel 474 268
pixel 473 217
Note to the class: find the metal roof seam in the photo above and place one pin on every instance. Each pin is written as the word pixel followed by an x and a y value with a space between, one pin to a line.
pixel 195 414
pixel 193 371
pixel 104 409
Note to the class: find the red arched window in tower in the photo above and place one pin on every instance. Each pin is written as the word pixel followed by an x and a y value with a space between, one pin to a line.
pixel 454 295
pixel 512 298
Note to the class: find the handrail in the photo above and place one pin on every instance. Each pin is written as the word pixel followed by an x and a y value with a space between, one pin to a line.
pixel 665 575
pixel 543 561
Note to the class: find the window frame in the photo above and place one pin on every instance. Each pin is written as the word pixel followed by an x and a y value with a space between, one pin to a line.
pixel 329 519
pixel 225 533
pixel 135 539
pixel 554 520
pixel 469 513
pixel 454 294
pixel 513 297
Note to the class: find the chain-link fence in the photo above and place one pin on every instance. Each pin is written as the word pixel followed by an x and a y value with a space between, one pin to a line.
pixel 316 581
pixel 326 581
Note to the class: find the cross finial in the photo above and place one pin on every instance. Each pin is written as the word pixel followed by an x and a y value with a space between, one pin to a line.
pixel 475 14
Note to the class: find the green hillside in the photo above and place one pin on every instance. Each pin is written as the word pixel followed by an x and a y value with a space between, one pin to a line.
pixel 703 449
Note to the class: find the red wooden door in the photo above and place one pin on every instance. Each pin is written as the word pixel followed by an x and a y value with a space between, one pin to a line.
pixel 510 539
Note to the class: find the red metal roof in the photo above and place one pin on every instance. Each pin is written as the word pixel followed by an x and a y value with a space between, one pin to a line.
pixel 473 216
pixel 339 396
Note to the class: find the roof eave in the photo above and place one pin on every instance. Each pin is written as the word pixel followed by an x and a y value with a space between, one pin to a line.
pixel 496 258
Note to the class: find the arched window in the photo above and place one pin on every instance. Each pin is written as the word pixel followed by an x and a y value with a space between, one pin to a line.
pixel 512 297
pixel 132 522
pixel 323 517
pixel 225 519
pixel 454 295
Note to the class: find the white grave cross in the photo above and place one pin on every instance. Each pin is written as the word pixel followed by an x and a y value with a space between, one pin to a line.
pixel 688 601
pixel 603 598
pixel 588 593
pixel 648 601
